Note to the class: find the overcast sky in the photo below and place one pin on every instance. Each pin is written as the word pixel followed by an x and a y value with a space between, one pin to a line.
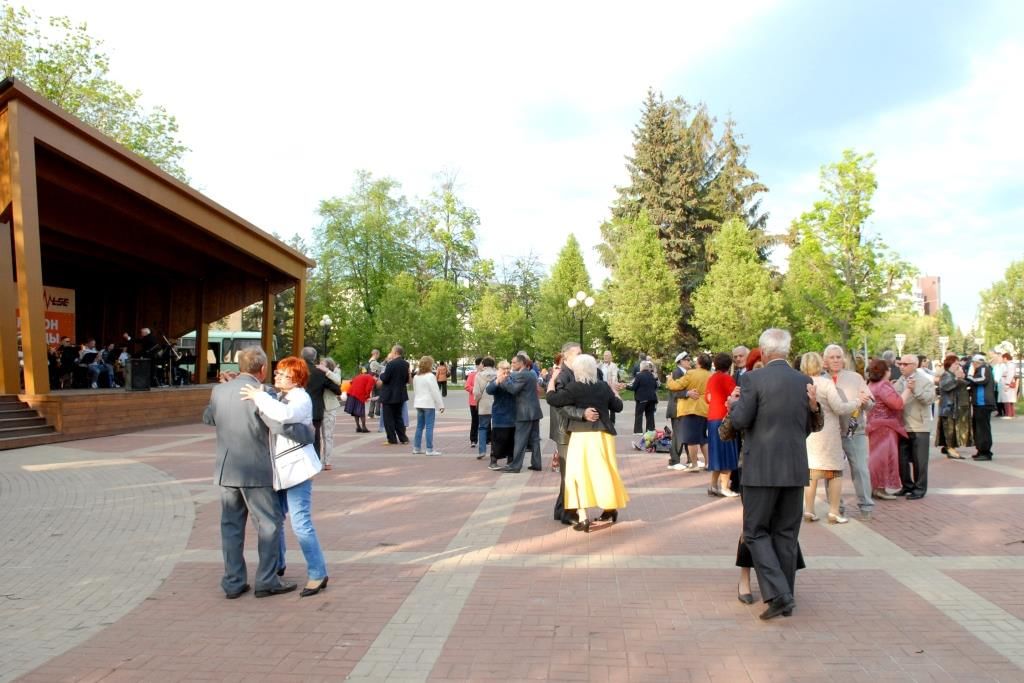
pixel 533 105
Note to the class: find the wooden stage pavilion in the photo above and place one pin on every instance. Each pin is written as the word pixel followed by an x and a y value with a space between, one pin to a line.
pixel 138 247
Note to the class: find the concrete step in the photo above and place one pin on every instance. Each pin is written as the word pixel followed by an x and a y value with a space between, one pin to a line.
pixel 8 432
pixel 32 419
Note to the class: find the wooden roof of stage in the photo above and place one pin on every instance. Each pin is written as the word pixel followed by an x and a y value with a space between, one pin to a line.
pixel 140 247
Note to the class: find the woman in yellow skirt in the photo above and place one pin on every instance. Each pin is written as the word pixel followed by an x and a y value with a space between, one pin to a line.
pixel 592 473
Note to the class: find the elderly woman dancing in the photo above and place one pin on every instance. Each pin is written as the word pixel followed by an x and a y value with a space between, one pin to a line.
pixel 290 379
pixel 591 471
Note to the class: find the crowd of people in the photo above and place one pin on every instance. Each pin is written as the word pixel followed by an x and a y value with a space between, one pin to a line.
pixel 766 426
pixel 88 366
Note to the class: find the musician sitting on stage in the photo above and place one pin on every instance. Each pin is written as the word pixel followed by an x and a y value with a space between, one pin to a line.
pixel 91 358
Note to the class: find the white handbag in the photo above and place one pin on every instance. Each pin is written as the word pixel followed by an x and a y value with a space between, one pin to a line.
pixel 295 465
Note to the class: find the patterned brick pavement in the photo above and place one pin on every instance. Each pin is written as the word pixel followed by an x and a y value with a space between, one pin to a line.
pixel 444 571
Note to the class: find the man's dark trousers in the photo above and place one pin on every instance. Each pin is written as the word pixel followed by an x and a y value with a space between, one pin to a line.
pixel 527 434
pixel 982 418
pixel 644 413
pixel 393 423
pixel 237 503
pixel 771 525
pixel 914 462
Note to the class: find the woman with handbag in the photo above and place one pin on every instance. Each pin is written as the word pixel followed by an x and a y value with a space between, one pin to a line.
pixel 954 425
pixel 1008 387
pixel 295 463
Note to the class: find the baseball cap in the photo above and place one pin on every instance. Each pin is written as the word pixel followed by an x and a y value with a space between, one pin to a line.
pixel 978 358
pixel 682 355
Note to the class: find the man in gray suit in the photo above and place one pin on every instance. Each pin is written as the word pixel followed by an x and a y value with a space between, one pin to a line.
pixel 772 411
pixel 522 384
pixel 245 473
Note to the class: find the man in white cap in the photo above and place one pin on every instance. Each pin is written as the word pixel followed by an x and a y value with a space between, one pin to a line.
pixel 983 402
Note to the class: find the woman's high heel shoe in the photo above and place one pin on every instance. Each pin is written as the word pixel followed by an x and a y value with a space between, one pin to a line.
pixel 811 517
pixel 713 491
pixel 745 598
pixel 306 592
pixel 608 515
pixel 583 526
pixel 837 519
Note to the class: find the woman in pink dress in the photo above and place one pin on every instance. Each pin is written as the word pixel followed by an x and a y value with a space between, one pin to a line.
pixel 885 427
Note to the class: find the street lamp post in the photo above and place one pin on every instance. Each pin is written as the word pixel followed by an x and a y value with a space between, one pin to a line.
pixel 980 341
pixel 943 344
pixel 580 306
pixel 325 324
pixel 901 339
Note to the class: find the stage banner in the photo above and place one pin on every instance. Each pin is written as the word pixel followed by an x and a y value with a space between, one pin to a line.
pixel 60 314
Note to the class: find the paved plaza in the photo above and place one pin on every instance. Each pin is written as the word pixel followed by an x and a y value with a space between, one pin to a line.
pixel 442 570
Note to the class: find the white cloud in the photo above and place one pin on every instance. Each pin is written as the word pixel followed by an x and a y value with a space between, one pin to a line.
pixel 950 179
pixel 532 103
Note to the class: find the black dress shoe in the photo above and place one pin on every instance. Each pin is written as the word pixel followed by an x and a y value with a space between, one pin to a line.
pixel 280 572
pixel 535 469
pixel 608 515
pixel 241 591
pixel 981 457
pixel 508 470
pixel 583 526
pixel 915 496
pixel 780 605
pixel 903 492
pixel 285 587
pixel 306 592
pixel 567 521
pixel 745 598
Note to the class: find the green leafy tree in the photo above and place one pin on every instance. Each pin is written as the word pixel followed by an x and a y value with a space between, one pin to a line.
pixel 553 321
pixel 448 228
pixel 441 333
pixel 643 301
pixel 737 300
pixel 497 329
pixel 1002 309
pixel 63 63
pixel 922 333
pixel 841 278
pixel 399 317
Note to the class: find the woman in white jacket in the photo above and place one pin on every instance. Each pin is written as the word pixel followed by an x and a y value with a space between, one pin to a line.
pixel 426 400
pixel 295 406
pixel 825 448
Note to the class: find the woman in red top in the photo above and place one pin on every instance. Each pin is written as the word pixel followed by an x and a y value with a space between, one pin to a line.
pixel 359 392
pixel 723 456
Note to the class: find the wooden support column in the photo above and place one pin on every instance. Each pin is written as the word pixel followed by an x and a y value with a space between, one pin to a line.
pixel 299 321
pixel 202 333
pixel 27 251
pixel 267 339
pixel 9 369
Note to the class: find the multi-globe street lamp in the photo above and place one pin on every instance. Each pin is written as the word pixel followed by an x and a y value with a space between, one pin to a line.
pixel 580 306
pixel 901 339
pixel 325 324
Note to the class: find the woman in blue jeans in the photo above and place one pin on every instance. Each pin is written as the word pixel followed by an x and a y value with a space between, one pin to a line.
pixel 294 406
pixel 426 399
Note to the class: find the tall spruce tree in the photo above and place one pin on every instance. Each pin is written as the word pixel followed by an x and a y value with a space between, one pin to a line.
pixel 688 183
pixel 737 300
pixel 642 297
pixel 554 324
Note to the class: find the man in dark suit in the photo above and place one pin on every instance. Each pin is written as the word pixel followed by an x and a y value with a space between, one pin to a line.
pixel 244 471
pixel 772 410
pixel 522 383
pixel 315 387
pixel 394 381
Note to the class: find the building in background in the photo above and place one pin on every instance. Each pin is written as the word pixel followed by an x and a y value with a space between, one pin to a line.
pixel 927 295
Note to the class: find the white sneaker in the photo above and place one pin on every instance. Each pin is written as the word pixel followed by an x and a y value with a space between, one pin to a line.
pixel 433 452
pixel 677 466
pixel 416 451
pixel 727 493
pixel 95 386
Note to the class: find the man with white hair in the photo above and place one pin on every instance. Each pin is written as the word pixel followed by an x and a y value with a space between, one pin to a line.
pixel 773 408
pixel 855 441
pixel 918 393
pixel 983 403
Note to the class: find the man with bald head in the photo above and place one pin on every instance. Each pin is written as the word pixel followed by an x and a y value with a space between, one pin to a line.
pixel 851 425
pixel 918 392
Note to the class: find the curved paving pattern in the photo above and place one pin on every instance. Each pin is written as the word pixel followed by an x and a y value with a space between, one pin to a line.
pixel 86 538
pixel 443 571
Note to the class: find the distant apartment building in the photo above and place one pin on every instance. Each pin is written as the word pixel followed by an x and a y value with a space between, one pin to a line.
pixel 927 295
